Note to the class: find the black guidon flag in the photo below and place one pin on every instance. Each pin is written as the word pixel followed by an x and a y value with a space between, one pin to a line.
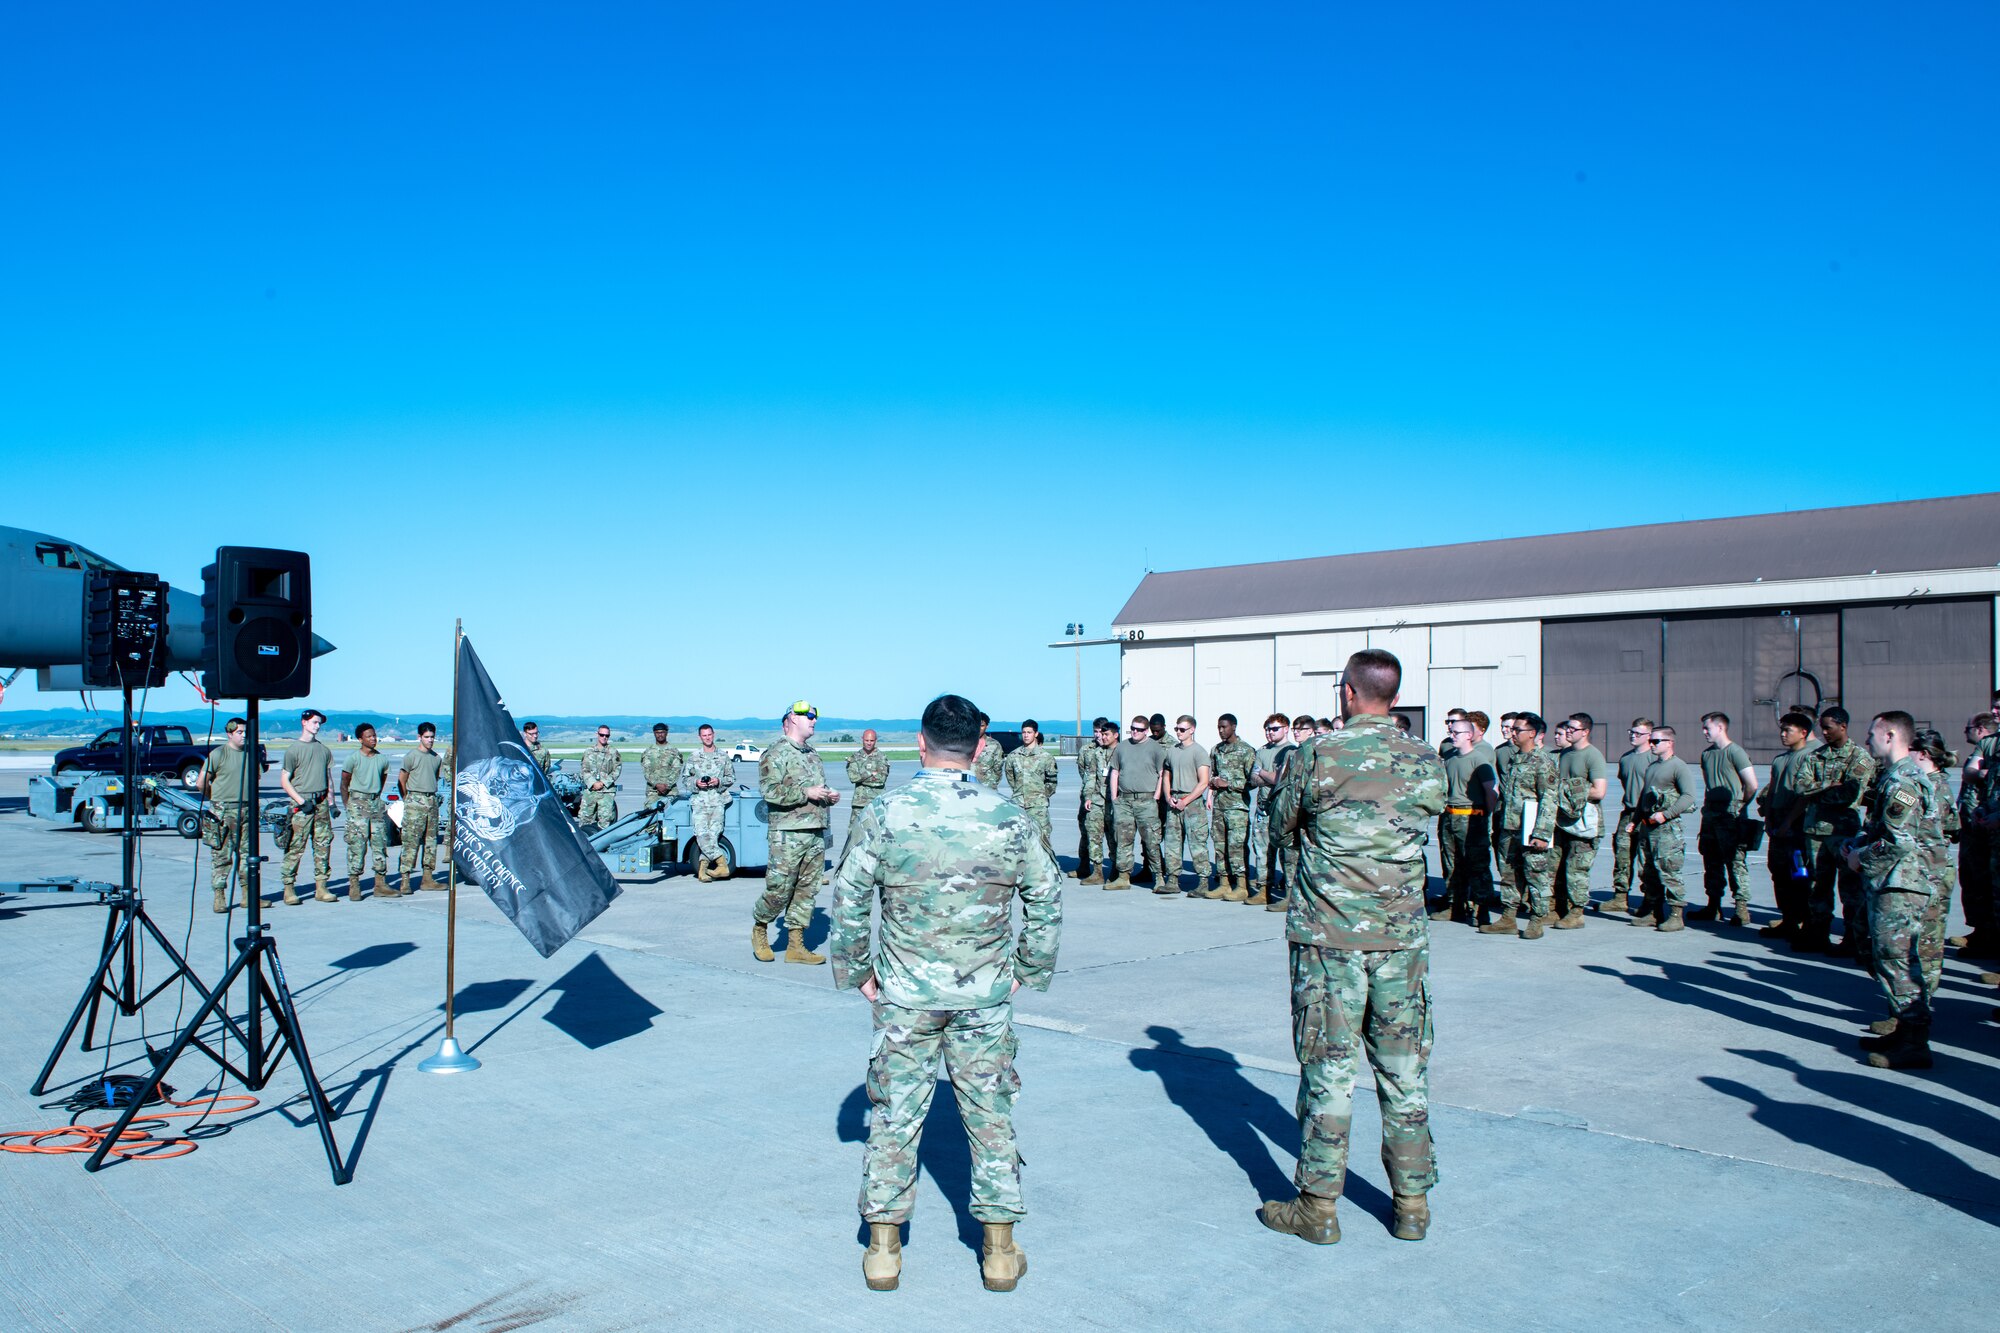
pixel 509 833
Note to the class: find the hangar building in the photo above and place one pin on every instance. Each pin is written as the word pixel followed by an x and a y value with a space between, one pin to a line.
pixel 1871 606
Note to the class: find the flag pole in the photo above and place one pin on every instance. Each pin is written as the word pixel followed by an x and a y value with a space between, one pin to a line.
pixel 449 1058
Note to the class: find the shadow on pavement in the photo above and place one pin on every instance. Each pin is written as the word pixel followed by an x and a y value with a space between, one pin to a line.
pixel 1896 1097
pixel 1904 1158
pixel 942 1151
pixel 596 1007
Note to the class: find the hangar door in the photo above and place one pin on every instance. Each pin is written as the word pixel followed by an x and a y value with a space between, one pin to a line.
pixel 1933 660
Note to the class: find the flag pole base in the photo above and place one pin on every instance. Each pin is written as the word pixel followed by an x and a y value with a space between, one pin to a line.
pixel 449 1060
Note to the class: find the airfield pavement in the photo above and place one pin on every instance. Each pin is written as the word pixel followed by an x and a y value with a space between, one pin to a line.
pixel 1634 1129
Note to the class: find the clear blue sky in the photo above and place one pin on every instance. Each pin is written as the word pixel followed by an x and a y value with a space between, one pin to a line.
pixel 707 356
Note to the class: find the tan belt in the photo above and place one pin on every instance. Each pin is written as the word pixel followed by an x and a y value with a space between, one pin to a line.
pixel 1463 810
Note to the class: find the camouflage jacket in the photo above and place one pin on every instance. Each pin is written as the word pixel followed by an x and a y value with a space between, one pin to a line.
pixel 987 765
pixel 602 766
pixel 1833 779
pixel 1983 786
pixel 1530 777
pixel 1949 827
pixel 714 763
pixel 868 774
pixel 946 858
pixel 1031 775
pixel 1361 801
pixel 1901 846
pixel 661 767
pixel 1093 769
pixel 1229 773
pixel 784 774
pixel 543 759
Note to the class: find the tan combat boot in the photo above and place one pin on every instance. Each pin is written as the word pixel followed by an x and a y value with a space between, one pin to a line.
pixel 760 942
pixel 1615 903
pixel 353 889
pixel 1504 924
pixel 1674 920
pixel 430 881
pixel 1573 920
pixel 1742 917
pixel 1309 1217
pixel 320 894
pixel 222 900
pixel 1217 891
pixel 383 888
pixel 1090 876
pixel 1001 1263
pixel 701 868
pixel 719 868
pixel 882 1264
pixel 1124 881
pixel 291 897
pixel 1911 1051
pixel 1413 1217
pixel 1535 929
pixel 1239 891
pixel 795 948
pixel 1257 899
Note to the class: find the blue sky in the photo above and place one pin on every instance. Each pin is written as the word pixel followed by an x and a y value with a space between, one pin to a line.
pixel 703 357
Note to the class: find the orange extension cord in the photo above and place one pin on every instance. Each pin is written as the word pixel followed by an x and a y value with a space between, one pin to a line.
pixel 136 1143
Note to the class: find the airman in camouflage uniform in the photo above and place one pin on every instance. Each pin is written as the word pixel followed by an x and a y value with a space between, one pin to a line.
pixel 1625 835
pixel 226 831
pixel 1093 775
pixel 1898 855
pixel 305 776
pixel 1833 778
pixel 1031 777
pixel 1502 842
pixel 710 773
pixel 1671 789
pixel 422 774
pixel 1978 847
pixel 531 736
pixel 1531 776
pixel 660 767
pixel 1230 766
pixel 868 774
pixel 601 767
pixel 1360 800
pixel 447 808
pixel 989 764
pixel 1580 775
pixel 947 858
pixel 361 779
pixel 793 785
pixel 1136 768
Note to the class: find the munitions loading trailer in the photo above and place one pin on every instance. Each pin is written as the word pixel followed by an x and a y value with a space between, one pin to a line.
pixel 662 835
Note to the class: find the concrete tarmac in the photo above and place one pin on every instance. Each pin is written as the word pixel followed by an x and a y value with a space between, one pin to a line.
pixel 1646 1129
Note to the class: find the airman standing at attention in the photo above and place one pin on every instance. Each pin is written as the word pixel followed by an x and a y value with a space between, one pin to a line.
pixel 868 774
pixel 304 776
pixel 1470 785
pixel 1360 801
pixel 1834 777
pixel 660 766
pixel 361 779
pixel 1977 842
pixel 1031 776
pixel 1230 765
pixel 1503 844
pixel 1137 769
pixel 227 782
pixel 1898 855
pixel 1186 833
pixel 1730 786
pixel 1785 851
pixel 447 807
pixel 531 736
pixel 710 773
pixel 1271 757
pixel 1671 790
pixel 419 781
pixel 1580 776
pixel 793 784
pixel 1626 837
pixel 946 858
pixel 1528 800
pixel 1093 775
pixel 989 764
pixel 601 768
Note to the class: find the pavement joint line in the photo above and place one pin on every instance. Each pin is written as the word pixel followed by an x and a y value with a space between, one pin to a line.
pixel 1156 957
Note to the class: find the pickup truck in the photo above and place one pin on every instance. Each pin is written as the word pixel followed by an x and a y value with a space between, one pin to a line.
pixel 162 751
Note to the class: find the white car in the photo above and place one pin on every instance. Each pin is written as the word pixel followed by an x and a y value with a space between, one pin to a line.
pixel 746 751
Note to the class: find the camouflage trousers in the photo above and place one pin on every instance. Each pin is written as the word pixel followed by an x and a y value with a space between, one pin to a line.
pixel 1573 857
pixel 1137 813
pixel 1830 869
pixel 1664 852
pixel 1978 858
pixel 1469 880
pixel 705 808
pixel 1229 826
pixel 1090 844
pixel 854 817
pixel 1724 858
pixel 367 829
pixel 1344 1002
pixel 1906 933
pixel 978 1047
pixel 1506 846
pixel 221 834
pixel 598 808
pixel 316 827
pixel 420 813
pixel 1040 814
pixel 792 877
pixel 1185 837
pixel 1627 845
pixel 1529 884
pixel 446 804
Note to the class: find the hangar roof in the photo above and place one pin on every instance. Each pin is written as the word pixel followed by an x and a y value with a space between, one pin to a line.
pixel 1958 532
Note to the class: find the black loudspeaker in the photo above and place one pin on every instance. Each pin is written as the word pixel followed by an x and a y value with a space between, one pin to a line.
pixel 256 624
pixel 124 630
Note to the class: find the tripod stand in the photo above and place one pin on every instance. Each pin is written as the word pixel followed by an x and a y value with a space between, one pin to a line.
pixel 269 999
pixel 125 931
